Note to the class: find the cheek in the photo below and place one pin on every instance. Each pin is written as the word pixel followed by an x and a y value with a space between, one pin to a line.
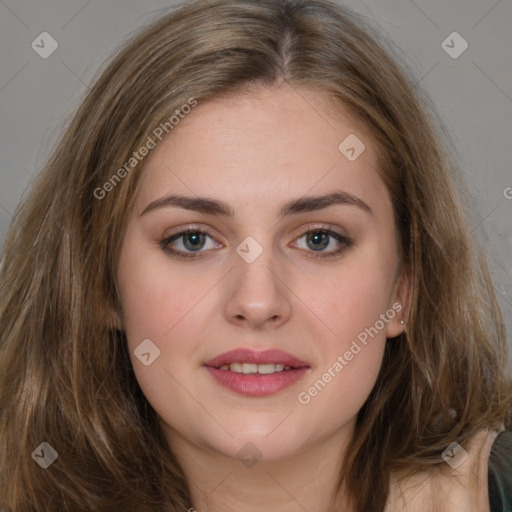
pixel 350 300
pixel 351 354
pixel 155 297
pixel 164 306
pixel 345 316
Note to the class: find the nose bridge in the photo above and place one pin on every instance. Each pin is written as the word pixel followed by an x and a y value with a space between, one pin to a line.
pixel 258 294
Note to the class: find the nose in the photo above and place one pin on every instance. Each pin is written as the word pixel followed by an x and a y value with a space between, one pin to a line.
pixel 258 295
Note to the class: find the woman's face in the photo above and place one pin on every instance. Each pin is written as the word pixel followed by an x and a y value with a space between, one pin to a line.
pixel 256 280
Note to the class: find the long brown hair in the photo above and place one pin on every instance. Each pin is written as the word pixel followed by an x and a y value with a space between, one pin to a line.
pixel 65 374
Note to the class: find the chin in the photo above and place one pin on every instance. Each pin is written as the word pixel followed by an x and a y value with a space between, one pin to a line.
pixel 265 444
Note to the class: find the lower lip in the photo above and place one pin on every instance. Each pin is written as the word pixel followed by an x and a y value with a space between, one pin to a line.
pixel 257 385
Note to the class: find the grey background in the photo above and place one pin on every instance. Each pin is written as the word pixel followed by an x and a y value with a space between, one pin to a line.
pixel 473 92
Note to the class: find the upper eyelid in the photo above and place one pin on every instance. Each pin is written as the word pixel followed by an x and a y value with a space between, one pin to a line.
pixel 301 231
pixel 327 227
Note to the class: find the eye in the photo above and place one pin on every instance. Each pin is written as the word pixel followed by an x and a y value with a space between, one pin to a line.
pixel 319 239
pixel 188 242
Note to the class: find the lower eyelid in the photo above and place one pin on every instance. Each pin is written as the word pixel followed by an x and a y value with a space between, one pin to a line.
pixel 344 241
pixel 166 242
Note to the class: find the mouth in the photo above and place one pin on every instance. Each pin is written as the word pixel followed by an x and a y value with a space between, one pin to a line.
pixel 243 360
pixel 257 374
pixel 255 369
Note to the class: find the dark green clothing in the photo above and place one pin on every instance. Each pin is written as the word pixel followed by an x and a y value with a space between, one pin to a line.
pixel 500 472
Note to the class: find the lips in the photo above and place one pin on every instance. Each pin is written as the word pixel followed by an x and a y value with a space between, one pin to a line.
pixel 255 385
pixel 243 355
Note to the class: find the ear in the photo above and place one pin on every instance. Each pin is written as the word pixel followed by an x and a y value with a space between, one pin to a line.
pixel 110 317
pixel 401 300
pixel 114 319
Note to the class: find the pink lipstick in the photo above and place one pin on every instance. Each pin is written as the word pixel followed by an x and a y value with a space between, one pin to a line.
pixel 256 374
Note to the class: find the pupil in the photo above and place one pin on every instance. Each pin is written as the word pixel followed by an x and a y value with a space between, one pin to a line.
pixel 194 241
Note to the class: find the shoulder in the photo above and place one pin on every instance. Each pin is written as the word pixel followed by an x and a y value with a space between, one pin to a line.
pixel 500 472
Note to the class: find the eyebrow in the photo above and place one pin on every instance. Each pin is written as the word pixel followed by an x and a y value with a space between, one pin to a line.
pixel 215 207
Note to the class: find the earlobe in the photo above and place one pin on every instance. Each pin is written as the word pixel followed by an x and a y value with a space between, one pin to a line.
pixel 111 317
pixel 401 304
pixel 115 321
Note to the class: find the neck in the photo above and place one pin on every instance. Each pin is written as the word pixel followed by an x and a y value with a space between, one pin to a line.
pixel 446 489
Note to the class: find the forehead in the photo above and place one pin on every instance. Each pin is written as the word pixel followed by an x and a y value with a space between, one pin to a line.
pixel 263 146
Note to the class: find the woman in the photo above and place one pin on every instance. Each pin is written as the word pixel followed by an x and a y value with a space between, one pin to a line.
pixel 246 280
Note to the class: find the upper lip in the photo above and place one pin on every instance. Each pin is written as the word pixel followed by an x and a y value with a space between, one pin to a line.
pixel 244 355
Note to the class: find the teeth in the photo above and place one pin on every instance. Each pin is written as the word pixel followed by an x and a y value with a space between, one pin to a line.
pixel 247 368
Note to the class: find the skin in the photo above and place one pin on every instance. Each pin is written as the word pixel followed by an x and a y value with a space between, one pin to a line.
pixel 460 489
pixel 256 152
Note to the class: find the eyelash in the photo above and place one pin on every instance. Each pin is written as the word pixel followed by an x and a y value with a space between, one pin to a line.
pixel 345 241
